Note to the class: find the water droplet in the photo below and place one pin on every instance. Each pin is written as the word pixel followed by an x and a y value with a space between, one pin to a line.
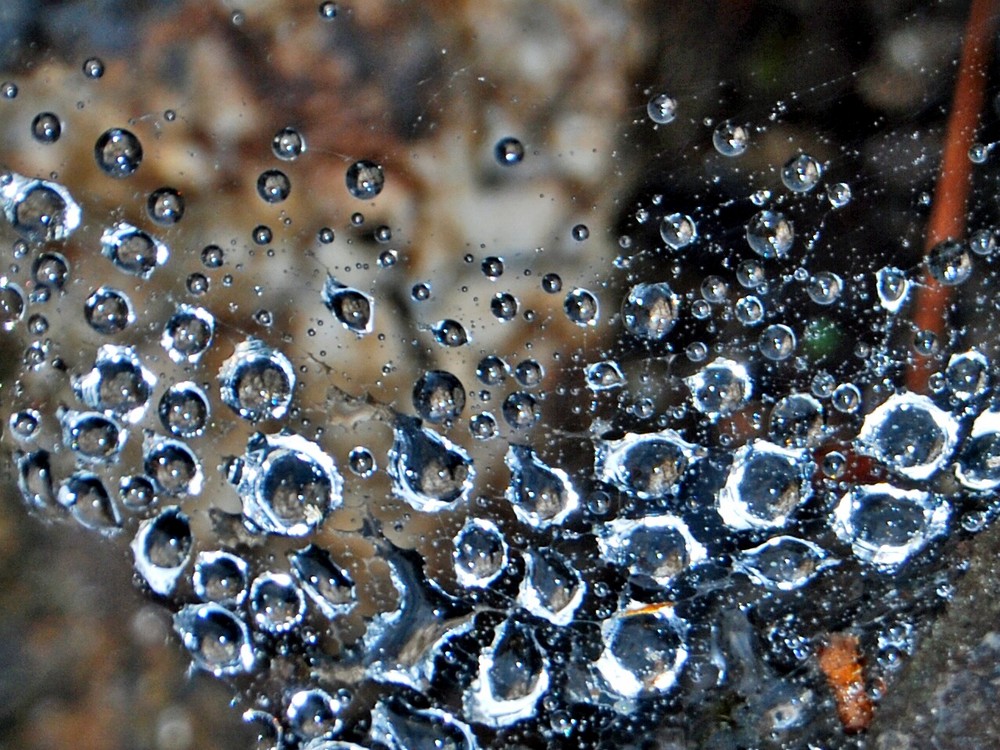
pixel 51 269
pixel 825 288
pixel 644 651
pixel 602 376
pixel 777 342
pixel 983 242
pixel 165 206
pixel 551 283
pixel 646 466
pixel 503 306
pixel 365 179
pixel 12 304
pixel 218 641
pixel 492 267
pixel 796 421
pixel 801 174
pixel 910 435
pixel 287 484
pixel 520 410
pixel 654 549
pixel 770 234
pixel 93 68
pixel 766 484
pixel 580 232
pixel 529 373
pixel 492 370
pixel 508 151
pixel 84 494
pixel 749 310
pixel 480 553
pixel 400 726
pixel 118 384
pixel 273 186
pixel 257 381
pixel 188 334
pixel 541 496
pixel 46 127
pixel 221 577
pixel 136 493
pixel 438 396
pixel 784 563
pixel 730 139
pixel 978 153
pixel 24 424
pixel 328 10
pixel 720 388
pixel 581 308
pixel 184 410
pixel 449 333
pixel 8 90
pixel 678 231
pixel 513 677
pixel 839 194
pixel 552 588
pixel 329 586
pixel 162 549
pixel 276 603
pixel 428 471
pixel 885 525
pixel 288 145
pixel 662 109
pixel 967 375
pixel 172 466
pixel 353 308
pixel 108 311
pixel 892 286
pixel 132 250
pixel 949 263
pixel 420 292
pixel 118 153
pixel 314 713
pixel 39 210
pixel 978 465
pixel 649 311
pixel 362 462
pixel 93 437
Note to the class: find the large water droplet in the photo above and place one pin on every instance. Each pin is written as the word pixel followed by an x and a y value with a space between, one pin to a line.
pixel 428 471
pixel 87 499
pixel 38 210
pixel 540 495
pixel 909 434
pixel 784 563
pixel 480 553
pixel 257 381
pixel 766 483
pixel 92 436
pixel 119 384
pixel 162 548
pixel 221 577
pixel 646 466
pixel 770 234
pixel 329 586
pixel 118 153
pixel 173 467
pixel 649 311
pixel 218 641
pixel 276 604
pixel 885 525
pixel 654 549
pixel 720 388
pixel 287 484
pixel 353 308
pixel 132 250
pixel 644 650
pixel 188 334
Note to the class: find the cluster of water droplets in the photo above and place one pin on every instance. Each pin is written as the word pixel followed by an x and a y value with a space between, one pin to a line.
pixel 514 567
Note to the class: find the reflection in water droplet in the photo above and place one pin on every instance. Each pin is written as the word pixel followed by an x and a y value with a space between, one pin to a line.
pixel 654 549
pixel 365 179
pixel 909 434
pixel 647 466
pixel 132 250
pixel 276 603
pixel 801 174
pixel 288 485
pixel 329 586
pixel 581 308
pixel 257 381
pixel 188 333
pixel 770 234
pixel 218 641
pixel 93 437
pixel 118 384
pixel 438 396
pixel 649 311
pixel 540 495
pixel 508 151
pixel 784 563
pixel 662 109
pixel 173 467
pixel 766 484
pixel 39 210
pixel 428 471
pixel 513 677
pixel 644 651
pixel 480 553
pixel 221 577
pixel 730 139
pixel 720 388
pixel 678 231
pixel 87 499
pixel 886 526
pixel 353 308
pixel 162 549
pixel 118 153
